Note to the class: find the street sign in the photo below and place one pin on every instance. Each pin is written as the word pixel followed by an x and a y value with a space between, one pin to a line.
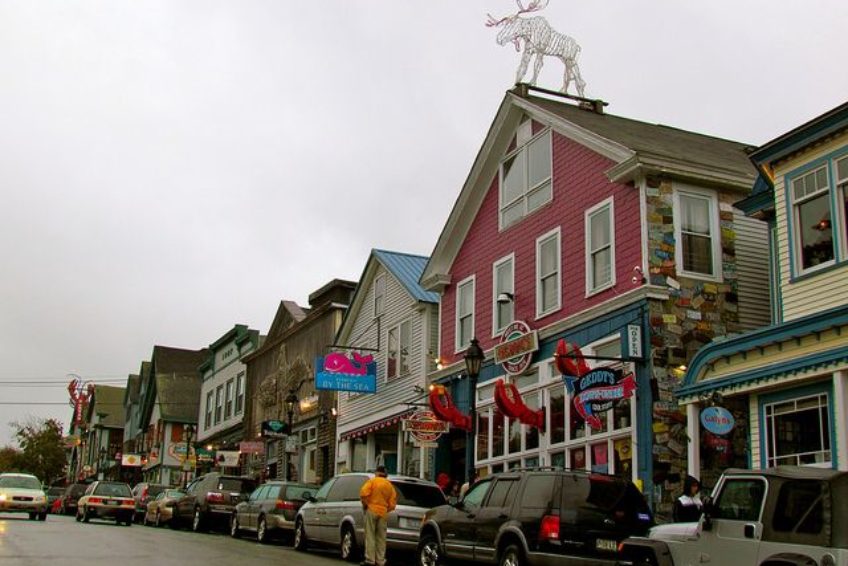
pixel 425 426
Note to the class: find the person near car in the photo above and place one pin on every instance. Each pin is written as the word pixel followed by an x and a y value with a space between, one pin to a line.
pixel 378 498
pixel 687 507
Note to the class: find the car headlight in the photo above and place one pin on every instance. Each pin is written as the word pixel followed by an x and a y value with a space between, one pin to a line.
pixel 39 499
pixel 2 497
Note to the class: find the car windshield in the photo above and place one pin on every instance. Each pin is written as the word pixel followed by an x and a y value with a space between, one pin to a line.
pixel 236 484
pixel 113 490
pixel 419 495
pixel 300 492
pixel 22 482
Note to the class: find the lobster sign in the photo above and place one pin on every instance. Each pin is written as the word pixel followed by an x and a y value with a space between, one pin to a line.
pixel 510 403
pixel 442 405
pixel 593 391
pixel 337 372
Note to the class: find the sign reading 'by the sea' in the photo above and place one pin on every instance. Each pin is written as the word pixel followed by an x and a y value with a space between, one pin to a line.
pixel 337 372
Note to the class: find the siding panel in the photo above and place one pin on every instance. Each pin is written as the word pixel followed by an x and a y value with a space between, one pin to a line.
pixel 752 255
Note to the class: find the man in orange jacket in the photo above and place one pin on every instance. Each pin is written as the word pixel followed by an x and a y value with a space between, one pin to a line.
pixel 378 498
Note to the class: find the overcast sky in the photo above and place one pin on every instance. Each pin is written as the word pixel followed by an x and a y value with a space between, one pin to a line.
pixel 169 169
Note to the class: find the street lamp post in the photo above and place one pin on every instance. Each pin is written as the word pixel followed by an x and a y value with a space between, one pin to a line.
pixel 290 401
pixel 101 462
pixel 188 430
pixel 473 360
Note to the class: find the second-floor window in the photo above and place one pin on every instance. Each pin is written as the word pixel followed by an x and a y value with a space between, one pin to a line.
pixel 228 400
pixel 525 177
pixel 503 286
pixel 600 250
pixel 698 240
pixel 464 313
pixel 219 403
pixel 813 219
pixel 548 271
pixel 208 421
pixel 379 295
pixel 240 393
pixel 397 362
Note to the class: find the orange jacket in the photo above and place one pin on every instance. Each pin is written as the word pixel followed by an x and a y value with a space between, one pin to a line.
pixel 379 495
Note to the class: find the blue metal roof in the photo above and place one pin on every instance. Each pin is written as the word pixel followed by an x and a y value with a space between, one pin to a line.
pixel 407 268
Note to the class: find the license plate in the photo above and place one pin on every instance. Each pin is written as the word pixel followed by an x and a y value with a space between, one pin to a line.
pixel 606 544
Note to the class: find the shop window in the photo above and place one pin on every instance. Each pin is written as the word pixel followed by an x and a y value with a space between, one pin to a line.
pixel 219 394
pixel 531 462
pixel 240 393
pixel 798 432
pixel 813 221
pixel 228 399
pixel 531 433
pixel 623 454
pixel 207 423
pixel 556 408
pixel 577 458
pixel 498 426
pixel 621 415
pixel 600 458
pixel 525 178
pixel 503 274
pixel 558 459
pixel 483 435
pixel 514 436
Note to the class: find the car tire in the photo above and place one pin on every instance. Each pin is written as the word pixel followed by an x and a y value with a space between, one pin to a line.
pixel 349 548
pixel 157 519
pixel 42 516
pixel 129 522
pixel 235 528
pixel 86 516
pixel 299 542
pixel 197 521
pixel 77 516
pixel 174 523
pixel 512 556
pixel 262 530
pixel 32 516
pixel 429 551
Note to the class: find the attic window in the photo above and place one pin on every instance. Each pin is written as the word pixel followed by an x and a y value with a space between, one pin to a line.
pixel 525 176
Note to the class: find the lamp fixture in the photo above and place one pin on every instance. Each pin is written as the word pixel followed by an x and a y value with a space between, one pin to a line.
pixel 505 298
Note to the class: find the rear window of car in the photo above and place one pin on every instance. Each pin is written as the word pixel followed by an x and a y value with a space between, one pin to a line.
pixel 595 500
pixel 21 482
pixel 113 490
pixel 77 489
pixel 236 484
pixel 56 491
pixel 419 495
pixel 154 490
pixel 298 492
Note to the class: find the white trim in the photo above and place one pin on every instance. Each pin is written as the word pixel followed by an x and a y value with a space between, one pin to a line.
pixel 496 331
pixel 828 195
pixel 608 204
pixel 715 230
pixel 643 229
pixel 557 234
pixel 472 280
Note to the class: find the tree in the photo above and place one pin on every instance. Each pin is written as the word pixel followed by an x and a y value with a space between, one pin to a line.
pixel 11 459
pixel 42 449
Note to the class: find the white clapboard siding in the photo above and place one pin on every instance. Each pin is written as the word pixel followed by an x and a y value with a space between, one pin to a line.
pixel 754 420
pixel 752 268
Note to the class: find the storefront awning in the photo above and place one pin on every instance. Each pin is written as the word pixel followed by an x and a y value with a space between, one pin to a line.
pixel 383 423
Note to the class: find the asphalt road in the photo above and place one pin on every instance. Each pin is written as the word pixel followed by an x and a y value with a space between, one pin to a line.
pixel 61 541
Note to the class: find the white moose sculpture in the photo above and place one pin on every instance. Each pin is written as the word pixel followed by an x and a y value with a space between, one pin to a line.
pixel 539 40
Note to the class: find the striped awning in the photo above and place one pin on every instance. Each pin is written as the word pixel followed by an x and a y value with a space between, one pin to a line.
pixel 377 425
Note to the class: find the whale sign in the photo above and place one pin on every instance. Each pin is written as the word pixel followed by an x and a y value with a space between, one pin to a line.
pixel 337 372
pixel 597 391
pixel 717 420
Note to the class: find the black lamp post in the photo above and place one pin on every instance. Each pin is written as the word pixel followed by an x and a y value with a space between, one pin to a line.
pixel 290 401
pixel 473 360
pixel 188 431
pixel 101 463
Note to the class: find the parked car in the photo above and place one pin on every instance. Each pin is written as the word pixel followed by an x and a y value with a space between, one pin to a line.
pixel 210 499
pixel 143 492
pixel 22 493
pixel 334 517
pixel 54 494
pixel 540 516
pixel 783 516
pixel 107 500
pixel 160 509
pixel 73 492
pixel 270 510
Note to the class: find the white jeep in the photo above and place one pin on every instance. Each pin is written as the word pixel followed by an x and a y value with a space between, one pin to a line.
pixel 784 516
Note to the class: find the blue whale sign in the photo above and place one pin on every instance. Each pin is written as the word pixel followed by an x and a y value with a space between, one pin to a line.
pixel 717 420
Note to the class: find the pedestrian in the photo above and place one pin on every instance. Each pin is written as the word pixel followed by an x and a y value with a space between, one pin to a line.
pixel 452 492
pixel 378 498
pixel 687 507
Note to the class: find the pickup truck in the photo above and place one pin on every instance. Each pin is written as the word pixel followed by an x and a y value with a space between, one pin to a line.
pixel 783 516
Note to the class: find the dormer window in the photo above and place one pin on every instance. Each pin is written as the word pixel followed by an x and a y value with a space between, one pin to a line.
pixel 525 175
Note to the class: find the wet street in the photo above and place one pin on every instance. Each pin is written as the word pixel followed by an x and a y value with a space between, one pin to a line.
pixel 61 540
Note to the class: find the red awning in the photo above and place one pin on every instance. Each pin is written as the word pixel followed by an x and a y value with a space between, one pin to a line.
pixel 383 423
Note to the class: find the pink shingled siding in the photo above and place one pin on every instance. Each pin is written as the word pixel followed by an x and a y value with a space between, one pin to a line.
pixel 579 184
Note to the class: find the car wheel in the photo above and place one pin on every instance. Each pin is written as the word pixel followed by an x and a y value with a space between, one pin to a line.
pixel 197 521
pixel 429 552
pixel 349 548
pixel 262 530
pixel 42 516
pixel 32 516
pixel 86 516
pixel 175 521
pixel 235 528
pixel 77 516
pixel 129 522
pixel 157 519
pixel 299 542
pixel 512 556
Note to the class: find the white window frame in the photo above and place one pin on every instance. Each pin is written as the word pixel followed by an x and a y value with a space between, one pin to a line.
pixel 239 393
pixel 609 206
pixel 528 190
pixel 715 230
pixel 229 398
pixel 219 403
pixel 401 356
pixel 458 343
pixel 379 295
pixel 497 328
pixel 207 423
pixel 841 184
pixel 796 221
pixel 824 408
pixel 555 234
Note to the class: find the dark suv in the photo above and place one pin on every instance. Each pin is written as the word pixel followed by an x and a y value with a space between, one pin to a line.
pixel 539 516
pixel 210 500
pixel 73 492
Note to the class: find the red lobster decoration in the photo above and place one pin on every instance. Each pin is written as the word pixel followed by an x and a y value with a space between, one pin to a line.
pixel 80 394
pixel 442 405
pixel 509 401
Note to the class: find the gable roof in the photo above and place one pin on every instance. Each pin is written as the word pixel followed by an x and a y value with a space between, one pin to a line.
pixel 179 397
pixel 133 388
pixel 108 400
pixel 635 148
pixel 407 269
pixel 288 314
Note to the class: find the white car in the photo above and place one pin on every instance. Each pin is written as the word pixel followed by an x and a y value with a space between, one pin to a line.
pixel 23 493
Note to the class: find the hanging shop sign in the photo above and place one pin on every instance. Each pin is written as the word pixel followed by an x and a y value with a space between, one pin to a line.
pixel 425 426
pixel 593 391
pixel 251 447
pixel 227 458
pixel 516 348
pixel 337 372
pixel 717 420
pixel 274 429
pixel 131 460
pixel 509 401
pixel 634 341
pixel 442 405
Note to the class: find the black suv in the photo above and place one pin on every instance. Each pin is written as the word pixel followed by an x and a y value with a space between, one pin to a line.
pixel 538 516
pixel 210 500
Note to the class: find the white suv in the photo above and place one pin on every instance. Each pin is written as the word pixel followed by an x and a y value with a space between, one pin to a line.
pixel 23 493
